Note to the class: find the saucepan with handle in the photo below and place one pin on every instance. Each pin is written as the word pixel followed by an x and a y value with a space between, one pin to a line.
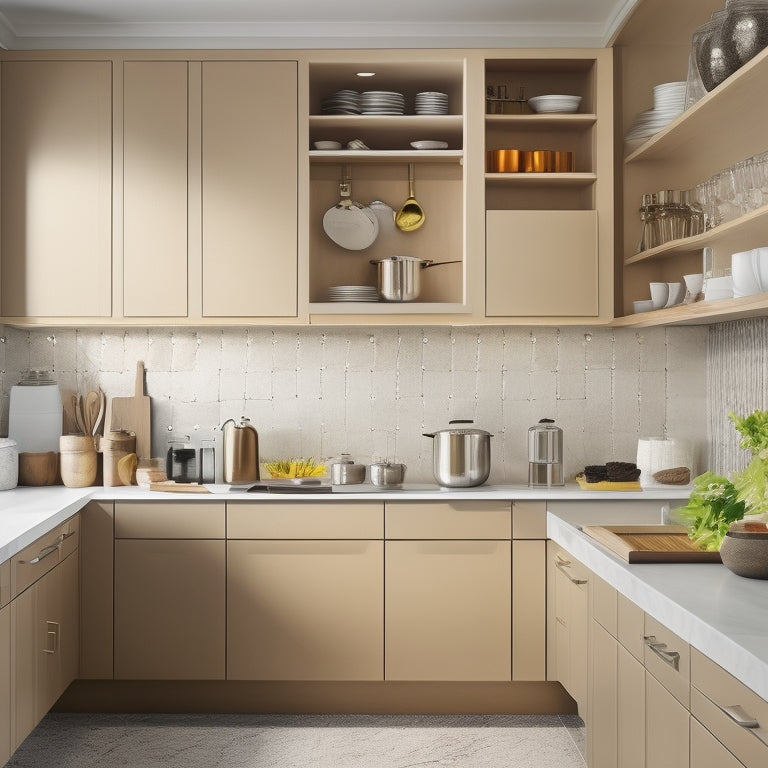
pixel 399 277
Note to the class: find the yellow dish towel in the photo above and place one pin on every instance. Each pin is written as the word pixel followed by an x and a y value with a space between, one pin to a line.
pixel 607 485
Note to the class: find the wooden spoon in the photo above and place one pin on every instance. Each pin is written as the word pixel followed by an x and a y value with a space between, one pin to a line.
pixel 91 412
pixel 77 404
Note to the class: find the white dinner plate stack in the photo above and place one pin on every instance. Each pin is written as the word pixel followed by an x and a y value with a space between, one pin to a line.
pixel 668 103
pixel 352 293
pixel 382 103
pixel 431 103
pixel 342 103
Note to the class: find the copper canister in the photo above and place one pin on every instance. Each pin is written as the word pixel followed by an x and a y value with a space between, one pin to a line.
pixel 507 160
pixel 526 161
pixel 241 451
pixel 564 162
pixel 543 161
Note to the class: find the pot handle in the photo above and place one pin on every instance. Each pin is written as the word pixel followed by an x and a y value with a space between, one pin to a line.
pixel 427 263
pixel 428 434
pixel 460 421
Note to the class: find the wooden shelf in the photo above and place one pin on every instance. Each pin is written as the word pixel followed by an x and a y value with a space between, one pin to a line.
pixel 746 232
pixel 696 132
pixel 419 122
pixel 565 121
pixel 385 308
pixel 542 179
pixel 700 313
pixel 386 155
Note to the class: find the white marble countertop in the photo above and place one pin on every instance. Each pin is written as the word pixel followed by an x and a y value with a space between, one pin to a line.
pixel 721 614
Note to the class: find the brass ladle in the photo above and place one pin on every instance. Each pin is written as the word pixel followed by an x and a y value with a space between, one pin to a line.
pixel 411 215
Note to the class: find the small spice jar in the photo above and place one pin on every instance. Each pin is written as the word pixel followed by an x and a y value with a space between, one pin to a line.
pixel 114 446
pixel 78 460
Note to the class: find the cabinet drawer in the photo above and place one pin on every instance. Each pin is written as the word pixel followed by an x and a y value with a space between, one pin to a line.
pixel 720 701
pixel 42 555
pixel 604 604
pixel 448 520
pixel 307 520
pixel 630 623
pixel 708 752
pixel 169 520
pixel 5 582
pixel 529 520
pixel 667 658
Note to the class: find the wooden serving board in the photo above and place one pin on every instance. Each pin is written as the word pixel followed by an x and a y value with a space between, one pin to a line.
pixel 170 486
pixel 650 543
pixel 132 414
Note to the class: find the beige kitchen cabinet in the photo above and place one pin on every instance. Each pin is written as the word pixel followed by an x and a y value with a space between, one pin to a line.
pixel 170 593
pixel 448 591
pixel 604 694
pixel 249 189
pixel 56 221
pixel 305 591
pixel 728 719
pixel 44 644
pixel 155 187
pixel 5 662
pixel 567 623
pixel 667 742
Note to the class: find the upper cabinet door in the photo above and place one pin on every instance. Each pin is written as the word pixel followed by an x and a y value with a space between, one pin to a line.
pixel 155 150
pixel 249 191
pixel 56 241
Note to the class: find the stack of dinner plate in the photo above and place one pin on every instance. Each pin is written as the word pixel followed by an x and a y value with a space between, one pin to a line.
pixel 352 293
pixel 431 103
pixel 382 103
pixel 668 103
pixel 341 103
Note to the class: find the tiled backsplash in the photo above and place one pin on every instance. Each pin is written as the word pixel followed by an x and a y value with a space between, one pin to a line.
pixel 372 392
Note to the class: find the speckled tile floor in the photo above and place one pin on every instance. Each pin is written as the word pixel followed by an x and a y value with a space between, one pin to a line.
pixel 303 741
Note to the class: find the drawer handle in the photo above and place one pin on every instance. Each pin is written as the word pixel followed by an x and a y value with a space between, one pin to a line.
pixel 52 636
pixel 668 657
pixel 49 550
pixel 742 718
pixel 562 565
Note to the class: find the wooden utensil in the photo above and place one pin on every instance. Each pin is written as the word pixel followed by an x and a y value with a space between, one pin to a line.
pixel 90 412
pixel 411 215
pixel 132 414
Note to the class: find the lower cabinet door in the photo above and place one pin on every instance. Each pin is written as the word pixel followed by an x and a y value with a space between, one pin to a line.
pixel 448 610
pixel 666 727
pixel 5 685
pixel 169 609
pixel 603 711
pixel 630 710
pixel 707 751
pixel 305 610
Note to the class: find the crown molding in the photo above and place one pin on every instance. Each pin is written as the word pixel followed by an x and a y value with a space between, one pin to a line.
pixel 8 37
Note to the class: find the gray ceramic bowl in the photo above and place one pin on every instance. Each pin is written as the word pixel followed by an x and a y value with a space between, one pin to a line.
pixel 746 554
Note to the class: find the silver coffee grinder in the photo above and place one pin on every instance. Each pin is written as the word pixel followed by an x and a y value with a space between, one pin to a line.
pixel 545 454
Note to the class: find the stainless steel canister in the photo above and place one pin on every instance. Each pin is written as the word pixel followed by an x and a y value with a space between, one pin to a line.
pixel 461 455
pixel 545 454
pixel 240 449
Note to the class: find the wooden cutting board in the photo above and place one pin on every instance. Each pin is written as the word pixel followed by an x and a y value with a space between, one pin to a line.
pixel 133 415
pixel 650 543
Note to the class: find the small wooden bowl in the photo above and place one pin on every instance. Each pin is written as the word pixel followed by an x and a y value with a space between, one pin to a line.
pixel 38 468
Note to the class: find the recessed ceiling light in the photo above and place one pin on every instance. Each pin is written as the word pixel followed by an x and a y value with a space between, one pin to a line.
pixel 366 74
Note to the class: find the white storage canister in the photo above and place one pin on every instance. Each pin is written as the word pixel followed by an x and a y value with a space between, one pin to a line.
pixel 34 414
pixel 9 464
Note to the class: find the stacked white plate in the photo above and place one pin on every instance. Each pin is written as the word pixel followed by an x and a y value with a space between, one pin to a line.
pixel 352 293
pixel 342 103
pixel 668 103
pixel 431 103
pixel 382 103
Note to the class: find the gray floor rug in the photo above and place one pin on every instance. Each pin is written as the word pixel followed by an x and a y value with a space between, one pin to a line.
pixel 303 741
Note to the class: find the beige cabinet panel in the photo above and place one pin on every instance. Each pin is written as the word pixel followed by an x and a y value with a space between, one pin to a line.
pixel 630 711
pixel 529 520
pixel 56 230
pixel 602 723
pixel 5 684
pixel 604 604
pixel 631 626
pixel 169 520
pixel 448 520
pixel 5 583
pixel 169 609
pixel 666 728
pixel 155 115
pixel 541 263
pixel 305 610
pixel 667 658
pixel 250 145
pixel 708 752
pixel 297 520
pixel 24 652
pixel 529 610
pixel 96 590
pixel 715 698
pixel 447 610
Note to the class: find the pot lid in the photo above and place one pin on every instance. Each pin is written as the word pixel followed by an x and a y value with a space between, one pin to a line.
pixel 459 430
pixel 400 258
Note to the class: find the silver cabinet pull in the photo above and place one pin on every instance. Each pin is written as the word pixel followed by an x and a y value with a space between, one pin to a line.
pixel 49 550
pixel 562 565
pixel 742 718
pixel 668 657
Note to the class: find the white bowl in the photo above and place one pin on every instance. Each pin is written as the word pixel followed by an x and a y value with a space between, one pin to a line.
pixel 554 103
pixel 716 288
pixel 327 145
pixel 642 306
pixel 428 144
